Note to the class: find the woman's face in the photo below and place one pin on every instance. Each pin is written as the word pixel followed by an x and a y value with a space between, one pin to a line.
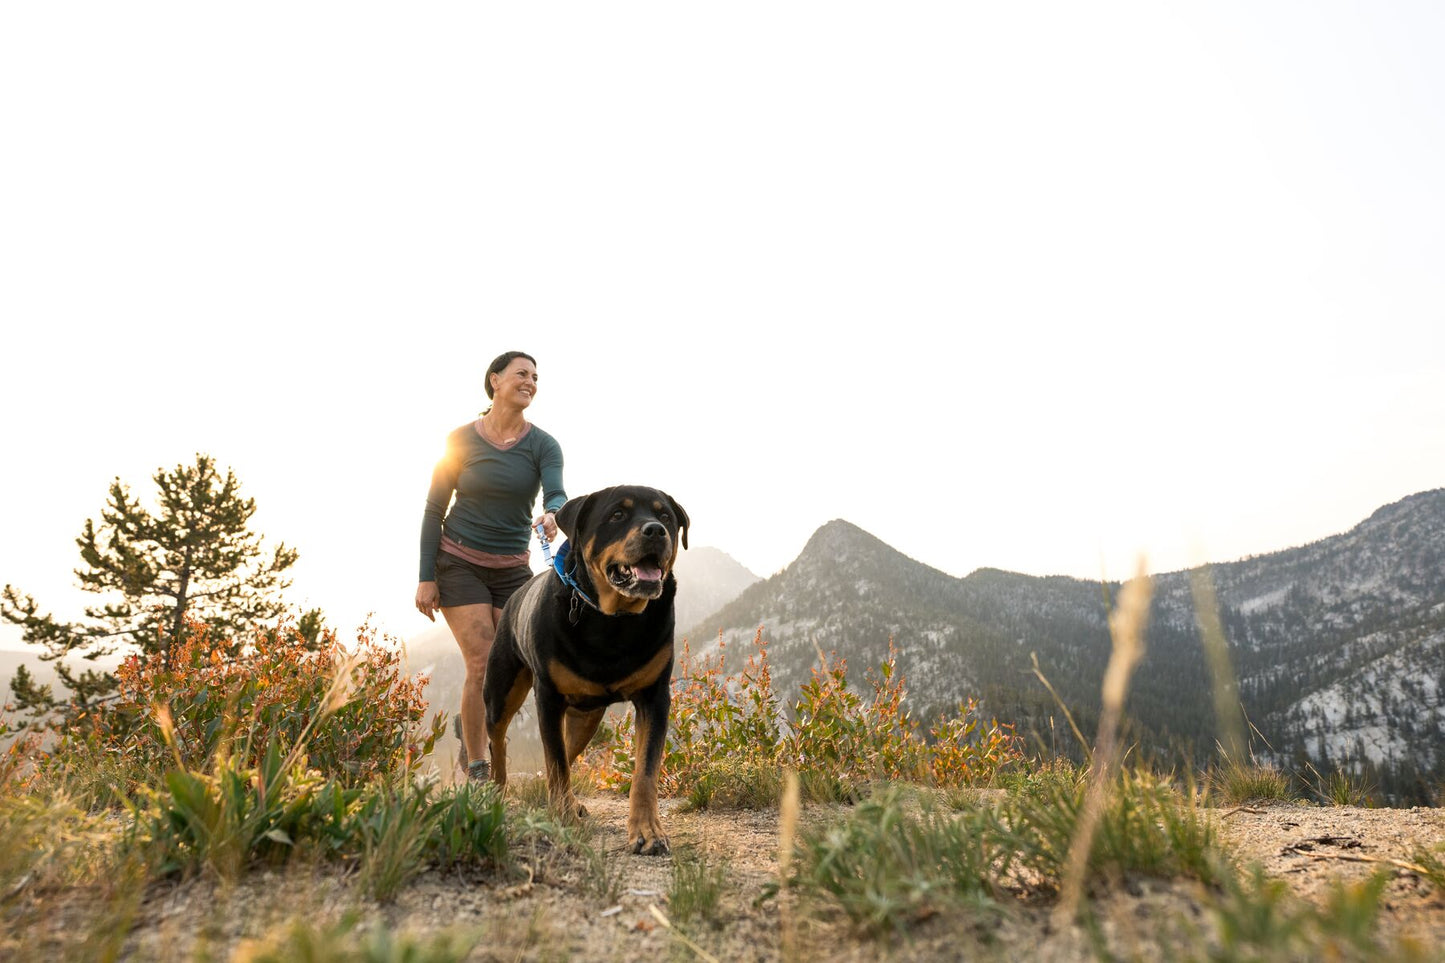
pixel 516 386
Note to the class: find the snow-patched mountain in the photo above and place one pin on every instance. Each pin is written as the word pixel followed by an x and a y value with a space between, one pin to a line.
pixel 1339 645
pixel 848 594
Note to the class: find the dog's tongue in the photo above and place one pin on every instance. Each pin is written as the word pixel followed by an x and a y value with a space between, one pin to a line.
pixel 645 574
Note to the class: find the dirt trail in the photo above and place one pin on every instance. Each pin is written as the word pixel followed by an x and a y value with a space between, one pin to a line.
pixel 570 910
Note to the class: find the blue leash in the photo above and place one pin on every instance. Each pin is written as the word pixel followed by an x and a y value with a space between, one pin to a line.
pixel 558 563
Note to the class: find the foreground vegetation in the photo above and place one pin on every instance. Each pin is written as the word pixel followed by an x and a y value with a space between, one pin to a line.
pixel 228 766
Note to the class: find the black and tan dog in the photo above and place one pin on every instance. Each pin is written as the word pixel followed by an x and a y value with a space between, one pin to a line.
pixel 595 630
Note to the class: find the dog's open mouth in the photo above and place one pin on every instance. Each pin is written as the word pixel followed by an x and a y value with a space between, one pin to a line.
pixel 641 578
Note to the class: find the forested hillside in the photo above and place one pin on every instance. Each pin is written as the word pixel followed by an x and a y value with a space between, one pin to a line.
pixel 1338 646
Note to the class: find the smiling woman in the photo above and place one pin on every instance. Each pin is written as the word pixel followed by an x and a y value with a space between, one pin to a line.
pixel 474 553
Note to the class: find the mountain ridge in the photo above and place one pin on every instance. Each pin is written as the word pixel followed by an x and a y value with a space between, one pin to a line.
pixel 1319 635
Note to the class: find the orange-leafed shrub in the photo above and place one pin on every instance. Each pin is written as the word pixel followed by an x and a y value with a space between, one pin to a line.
pixel 354 713
pixel 836 735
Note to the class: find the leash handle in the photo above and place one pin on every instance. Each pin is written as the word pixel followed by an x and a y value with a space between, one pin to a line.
pixel 541 531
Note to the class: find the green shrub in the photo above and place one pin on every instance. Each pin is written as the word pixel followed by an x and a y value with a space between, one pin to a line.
pixel 230 816
pixel 392 828
pixel 470 822
pixel 226 819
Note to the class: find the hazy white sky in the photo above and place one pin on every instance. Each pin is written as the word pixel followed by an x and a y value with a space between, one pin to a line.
pixel 1034 286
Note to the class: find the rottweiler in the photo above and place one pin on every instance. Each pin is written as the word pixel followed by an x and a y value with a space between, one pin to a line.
pixel 594 630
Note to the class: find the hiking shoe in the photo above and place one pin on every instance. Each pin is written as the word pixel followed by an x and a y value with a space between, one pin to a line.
pixel 479 770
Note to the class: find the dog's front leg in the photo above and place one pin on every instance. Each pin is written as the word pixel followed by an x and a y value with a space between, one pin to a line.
pixel 644 824
pixel 551 708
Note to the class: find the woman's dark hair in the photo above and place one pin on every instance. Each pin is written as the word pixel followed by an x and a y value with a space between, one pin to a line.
pixel 500 365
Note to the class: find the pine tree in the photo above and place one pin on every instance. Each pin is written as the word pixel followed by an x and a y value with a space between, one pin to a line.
pixel 193 560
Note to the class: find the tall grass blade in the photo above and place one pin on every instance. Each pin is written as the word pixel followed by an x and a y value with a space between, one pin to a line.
pixel 1126 627
pixel 1227 710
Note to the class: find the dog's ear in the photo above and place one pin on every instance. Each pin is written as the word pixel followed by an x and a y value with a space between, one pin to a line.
pixel 683 523
pixel 569 517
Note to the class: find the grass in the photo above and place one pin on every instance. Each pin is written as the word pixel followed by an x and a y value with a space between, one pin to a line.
pixel 697 886
pixel 346 942
pixel 394 826
pixel 907 831
pixel 1258 918
pixel 736 785
pixel 48 841
pixel 471 822
pixel 1237 782
pixel 888 863
pixel 1432 865
pixel 1147 827
pixel 1341 787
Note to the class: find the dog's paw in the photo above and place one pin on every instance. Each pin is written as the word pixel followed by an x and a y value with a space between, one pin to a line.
pixel 658 847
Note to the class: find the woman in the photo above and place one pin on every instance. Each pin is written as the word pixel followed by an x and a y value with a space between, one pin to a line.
pixel 477 557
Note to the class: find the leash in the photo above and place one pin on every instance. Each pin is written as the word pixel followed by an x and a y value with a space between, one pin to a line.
pixel 558 564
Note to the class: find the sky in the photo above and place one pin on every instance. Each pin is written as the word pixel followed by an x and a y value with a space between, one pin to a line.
pixel 1040 287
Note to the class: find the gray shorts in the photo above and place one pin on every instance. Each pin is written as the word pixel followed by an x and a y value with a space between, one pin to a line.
pixel 459 582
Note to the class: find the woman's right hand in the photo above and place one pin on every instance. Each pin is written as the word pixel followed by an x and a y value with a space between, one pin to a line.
pixel 428 599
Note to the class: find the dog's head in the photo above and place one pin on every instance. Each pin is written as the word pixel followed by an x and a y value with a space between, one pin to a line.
pixel 628 537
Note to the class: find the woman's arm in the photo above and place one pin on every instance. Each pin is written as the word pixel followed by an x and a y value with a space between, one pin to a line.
pixel 554 496
pixel 438 498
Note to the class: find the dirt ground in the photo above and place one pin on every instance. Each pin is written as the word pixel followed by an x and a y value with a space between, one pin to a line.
pixel 567 910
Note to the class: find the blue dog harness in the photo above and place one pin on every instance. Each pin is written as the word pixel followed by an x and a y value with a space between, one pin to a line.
pixel 565 573
pixel 559 565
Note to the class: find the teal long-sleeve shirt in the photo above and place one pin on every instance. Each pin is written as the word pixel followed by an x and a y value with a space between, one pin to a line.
pixel 495 491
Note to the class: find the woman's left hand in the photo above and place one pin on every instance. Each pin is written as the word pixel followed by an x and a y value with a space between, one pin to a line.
pixel 549 525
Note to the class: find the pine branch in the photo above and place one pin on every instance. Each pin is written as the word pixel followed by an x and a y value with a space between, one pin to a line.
pixel 29 696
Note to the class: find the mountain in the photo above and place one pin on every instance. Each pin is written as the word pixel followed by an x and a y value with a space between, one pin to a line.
pixel 1339 645
pixel 707 579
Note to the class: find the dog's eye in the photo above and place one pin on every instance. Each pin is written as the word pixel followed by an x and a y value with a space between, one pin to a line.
pixel 618 515
pixel 664 517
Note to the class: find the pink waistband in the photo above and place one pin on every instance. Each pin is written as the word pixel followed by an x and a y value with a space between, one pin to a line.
pixel 484 559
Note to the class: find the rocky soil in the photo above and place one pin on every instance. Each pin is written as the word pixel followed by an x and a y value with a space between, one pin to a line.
pixel 563 907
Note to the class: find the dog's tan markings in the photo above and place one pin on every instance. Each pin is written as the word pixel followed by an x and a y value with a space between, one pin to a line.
pixel 579 727
pixel 609 600
pixel 644 824
pixel 497 735
pixel 641 729
pixel 570 683
pixel 645 676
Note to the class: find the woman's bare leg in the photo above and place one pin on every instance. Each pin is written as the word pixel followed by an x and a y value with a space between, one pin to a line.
pixel 474 627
